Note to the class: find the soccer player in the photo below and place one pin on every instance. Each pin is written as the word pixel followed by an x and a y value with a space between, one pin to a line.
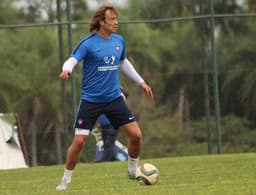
pixel 108 148
pixel 103 54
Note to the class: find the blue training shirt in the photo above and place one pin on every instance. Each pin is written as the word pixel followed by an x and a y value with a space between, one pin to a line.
pixel 100 58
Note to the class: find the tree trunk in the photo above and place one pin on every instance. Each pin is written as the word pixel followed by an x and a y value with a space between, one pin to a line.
pixel 180 109
pixel 58 146
pixel 36 107
pixel 33 145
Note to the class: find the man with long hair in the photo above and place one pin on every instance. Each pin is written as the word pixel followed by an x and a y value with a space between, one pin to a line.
pixel 103 54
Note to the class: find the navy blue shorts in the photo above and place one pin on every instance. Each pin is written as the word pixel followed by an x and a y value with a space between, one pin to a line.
pixel 117 112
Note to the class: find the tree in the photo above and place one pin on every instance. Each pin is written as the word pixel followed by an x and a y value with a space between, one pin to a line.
pixel 30 81
pixel 177 56
pixel 239 75
pixel 45 10
pixel 8 13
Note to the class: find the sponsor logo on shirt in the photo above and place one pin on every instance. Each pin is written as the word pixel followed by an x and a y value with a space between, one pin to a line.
pixel 109 60
pixel 106 68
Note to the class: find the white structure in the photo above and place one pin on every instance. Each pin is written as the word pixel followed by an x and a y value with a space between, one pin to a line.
pixel 11 154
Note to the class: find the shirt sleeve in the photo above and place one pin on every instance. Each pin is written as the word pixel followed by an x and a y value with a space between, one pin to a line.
pixel 123 55
pixel 81 50
pixel 130 71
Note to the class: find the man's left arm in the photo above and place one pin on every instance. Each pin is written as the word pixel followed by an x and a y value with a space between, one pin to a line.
pixel 130 71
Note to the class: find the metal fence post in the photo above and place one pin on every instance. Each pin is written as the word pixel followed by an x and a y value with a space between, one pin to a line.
pixel 73 83
pixel 215 78
pixel 206 80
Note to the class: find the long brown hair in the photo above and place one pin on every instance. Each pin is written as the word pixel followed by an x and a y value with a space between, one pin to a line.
pixel 100 15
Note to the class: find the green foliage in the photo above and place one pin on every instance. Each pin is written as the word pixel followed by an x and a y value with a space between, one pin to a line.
pixel 30 82
pixel 8 14
pixel 236 132
pixel 237 59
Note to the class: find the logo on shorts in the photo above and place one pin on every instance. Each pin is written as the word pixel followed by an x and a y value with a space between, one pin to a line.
pixel 131 118
pixel 80 121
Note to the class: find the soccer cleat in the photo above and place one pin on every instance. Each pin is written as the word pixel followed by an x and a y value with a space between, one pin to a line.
pixel 63 185
pixel 131 176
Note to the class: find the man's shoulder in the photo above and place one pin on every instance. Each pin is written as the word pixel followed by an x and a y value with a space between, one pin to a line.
pixel 117 36
pixel 86 40
pixel 89 37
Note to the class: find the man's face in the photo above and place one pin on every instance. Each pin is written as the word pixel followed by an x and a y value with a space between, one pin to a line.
pixel 109 25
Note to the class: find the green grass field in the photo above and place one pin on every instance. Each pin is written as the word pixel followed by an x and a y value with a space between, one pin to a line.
pixel 229 174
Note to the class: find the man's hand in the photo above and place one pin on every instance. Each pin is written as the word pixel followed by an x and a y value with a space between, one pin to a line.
pixel 64 75
pixel 147 90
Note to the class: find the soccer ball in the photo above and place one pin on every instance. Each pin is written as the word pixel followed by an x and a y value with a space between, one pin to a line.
pixel 147 174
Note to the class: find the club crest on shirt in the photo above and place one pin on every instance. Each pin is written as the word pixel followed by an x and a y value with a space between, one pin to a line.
pixel 117 47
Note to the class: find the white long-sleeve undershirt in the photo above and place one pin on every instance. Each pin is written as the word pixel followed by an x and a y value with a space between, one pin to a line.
pixel 130 71
pixel 125 66
pixel 69 64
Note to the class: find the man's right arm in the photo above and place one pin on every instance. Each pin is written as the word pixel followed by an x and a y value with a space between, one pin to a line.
pixel 68 67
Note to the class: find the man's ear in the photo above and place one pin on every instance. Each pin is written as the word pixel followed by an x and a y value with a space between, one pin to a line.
pixel 102 22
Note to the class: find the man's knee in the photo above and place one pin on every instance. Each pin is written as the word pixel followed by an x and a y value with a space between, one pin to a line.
pixel 79 142
pixel 133 131
pixel 136 137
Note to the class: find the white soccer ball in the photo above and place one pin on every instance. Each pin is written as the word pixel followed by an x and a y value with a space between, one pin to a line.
pixel 147 174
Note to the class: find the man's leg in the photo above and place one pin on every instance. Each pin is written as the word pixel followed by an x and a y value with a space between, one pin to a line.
pixel 73 155
pixel 134 146
pixel 109 135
